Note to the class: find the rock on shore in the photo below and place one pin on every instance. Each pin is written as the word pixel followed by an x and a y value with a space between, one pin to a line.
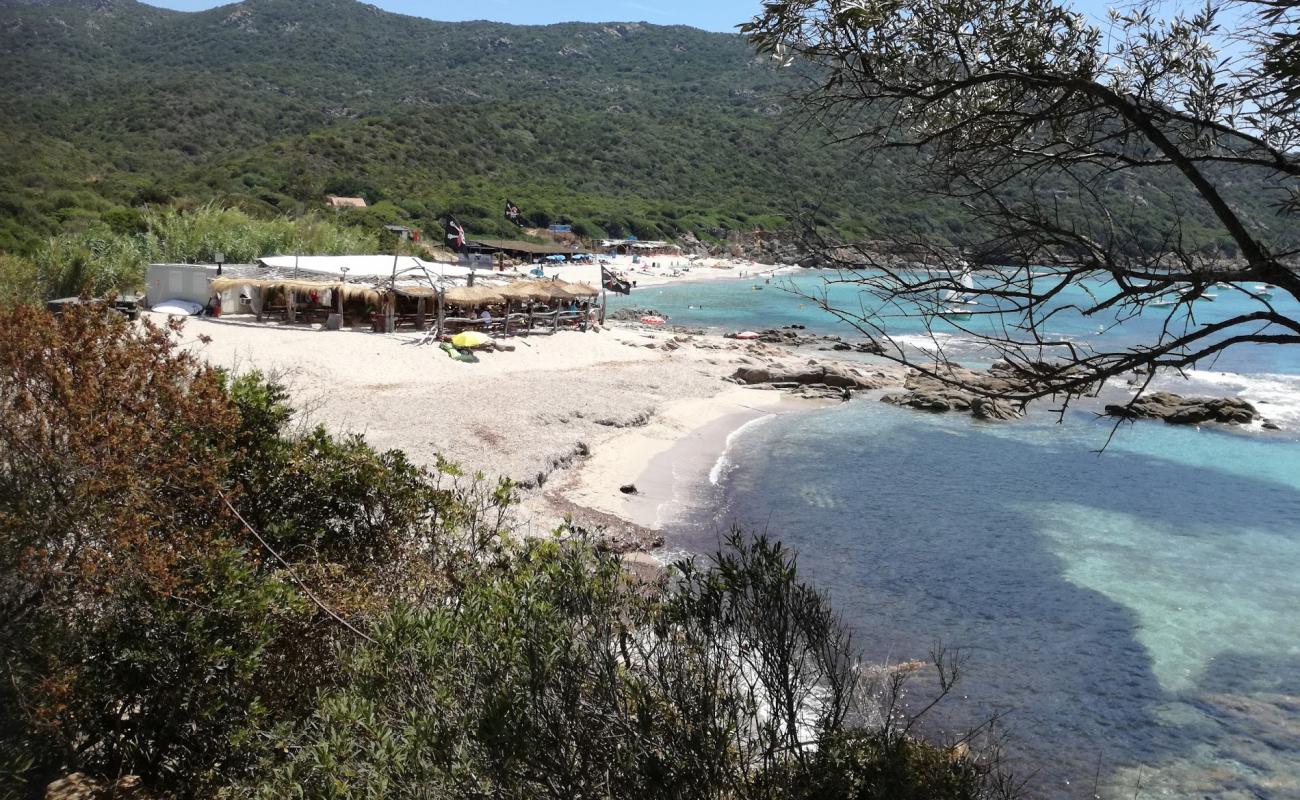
pixel 1178 410
pixel 832 380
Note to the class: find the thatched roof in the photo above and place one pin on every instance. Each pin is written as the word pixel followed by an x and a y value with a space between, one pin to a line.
pixel 350 291
pixel 548 290
pixel 563 290
pixel 221 285
pixel 526 290
pixel 417 291
pixel 474 296
pixel 580 290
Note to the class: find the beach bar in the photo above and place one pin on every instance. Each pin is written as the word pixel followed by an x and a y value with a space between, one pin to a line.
pixel 419 295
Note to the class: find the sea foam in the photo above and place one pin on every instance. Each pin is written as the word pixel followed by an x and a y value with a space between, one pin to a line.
pixel 723 464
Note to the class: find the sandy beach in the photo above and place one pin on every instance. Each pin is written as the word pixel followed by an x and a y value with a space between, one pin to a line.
pixel 572 417
pixel 652 271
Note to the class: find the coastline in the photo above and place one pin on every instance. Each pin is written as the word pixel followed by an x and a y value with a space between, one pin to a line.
pixel 669 458
pixel 570 418
pixel 700 270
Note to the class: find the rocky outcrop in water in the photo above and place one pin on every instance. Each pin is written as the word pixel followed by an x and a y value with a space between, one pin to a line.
pixel 632 314
pixel 967 391
pixel 794 336
pixel 1178 410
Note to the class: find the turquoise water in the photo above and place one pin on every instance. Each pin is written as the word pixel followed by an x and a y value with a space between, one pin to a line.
pixel 1135 614
pixel 736 305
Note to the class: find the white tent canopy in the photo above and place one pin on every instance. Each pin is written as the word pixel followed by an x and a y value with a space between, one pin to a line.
pixel 379 267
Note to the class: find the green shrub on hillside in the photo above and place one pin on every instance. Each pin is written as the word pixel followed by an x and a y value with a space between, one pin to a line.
pixel 20 280
pixel 100 260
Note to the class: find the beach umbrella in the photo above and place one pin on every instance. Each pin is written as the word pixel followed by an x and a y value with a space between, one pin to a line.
pixel 471 339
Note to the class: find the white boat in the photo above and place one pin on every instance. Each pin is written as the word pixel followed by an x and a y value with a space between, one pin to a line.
pixel 1262 292
pixel 955 313
pixel 1165 303
pixel 1208 297
pixel 952 297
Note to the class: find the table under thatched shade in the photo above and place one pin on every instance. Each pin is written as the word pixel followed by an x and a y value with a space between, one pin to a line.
pixel 473 296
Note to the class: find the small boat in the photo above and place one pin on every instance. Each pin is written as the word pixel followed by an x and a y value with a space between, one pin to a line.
pixel 1222 285
pixel 650 319
pixel 1262 292
pixel 1163 303
pixel 952 297
pixel 1209 298
pixel 954 313
pixel 757 288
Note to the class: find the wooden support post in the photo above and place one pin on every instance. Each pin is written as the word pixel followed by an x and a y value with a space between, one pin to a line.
pixel 505 331
pixel 419 313
pixel 290 312
pixel 442 312
pixel 390 312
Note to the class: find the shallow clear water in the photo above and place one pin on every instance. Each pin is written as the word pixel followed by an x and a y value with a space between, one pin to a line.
pixel 1135 613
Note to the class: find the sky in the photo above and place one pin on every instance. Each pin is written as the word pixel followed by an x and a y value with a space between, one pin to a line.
pixel 712 15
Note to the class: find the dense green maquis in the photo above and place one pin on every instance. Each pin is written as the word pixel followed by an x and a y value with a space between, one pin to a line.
pixel 104 257
pixel 267 105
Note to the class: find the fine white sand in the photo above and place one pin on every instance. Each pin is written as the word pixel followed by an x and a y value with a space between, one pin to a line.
pixel 679 446
pixel 660 270
pixel 572 417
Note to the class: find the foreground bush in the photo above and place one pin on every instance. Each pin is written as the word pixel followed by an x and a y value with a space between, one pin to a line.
pixel 146 629
pixel 553 674
pixel 195 592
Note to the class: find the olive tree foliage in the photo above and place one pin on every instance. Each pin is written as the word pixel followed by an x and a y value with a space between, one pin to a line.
pixel 1054 131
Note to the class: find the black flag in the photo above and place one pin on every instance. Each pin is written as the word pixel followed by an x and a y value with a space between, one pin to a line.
pixel 613 283
pixel 455 235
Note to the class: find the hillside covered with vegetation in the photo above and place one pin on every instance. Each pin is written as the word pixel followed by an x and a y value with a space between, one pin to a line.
pixel 112 107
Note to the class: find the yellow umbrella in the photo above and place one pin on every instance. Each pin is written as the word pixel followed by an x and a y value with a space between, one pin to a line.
pixel 471 339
